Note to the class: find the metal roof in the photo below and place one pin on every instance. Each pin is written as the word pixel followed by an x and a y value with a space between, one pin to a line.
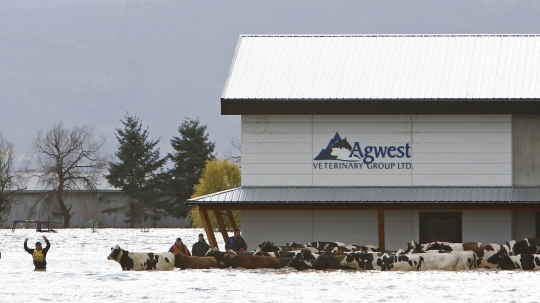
pixel 385 67
pixel 377 194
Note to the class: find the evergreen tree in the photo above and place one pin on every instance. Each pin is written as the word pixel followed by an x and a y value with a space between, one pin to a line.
pixel 191 151
pixel 137 172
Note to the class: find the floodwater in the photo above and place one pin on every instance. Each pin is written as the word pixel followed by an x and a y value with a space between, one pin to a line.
pixel 78 271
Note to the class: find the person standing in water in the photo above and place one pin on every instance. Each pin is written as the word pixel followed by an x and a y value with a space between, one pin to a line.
pixel 39 254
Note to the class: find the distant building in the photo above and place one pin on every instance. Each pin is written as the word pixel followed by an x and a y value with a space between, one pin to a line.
pixel 385 139
pixel 36 203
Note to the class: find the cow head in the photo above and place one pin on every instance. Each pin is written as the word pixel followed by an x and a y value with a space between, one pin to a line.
pixel 229 259
pixel 116 253
pixel 413 247
pixel 213 252
pixel 302 260
pixel 349 261
pixel 497 257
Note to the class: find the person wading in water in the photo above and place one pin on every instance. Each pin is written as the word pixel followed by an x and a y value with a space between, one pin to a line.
pixel 38 254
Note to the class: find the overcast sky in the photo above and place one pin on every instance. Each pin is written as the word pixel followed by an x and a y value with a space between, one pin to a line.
pixel 89 62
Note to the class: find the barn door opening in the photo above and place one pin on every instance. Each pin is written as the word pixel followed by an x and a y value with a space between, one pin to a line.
pixel 440 226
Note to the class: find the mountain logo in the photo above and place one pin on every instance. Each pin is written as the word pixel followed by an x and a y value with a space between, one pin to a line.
pixel 340 150
pixel 337 149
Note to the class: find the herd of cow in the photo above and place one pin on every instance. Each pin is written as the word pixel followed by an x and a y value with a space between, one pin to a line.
pixel 514 255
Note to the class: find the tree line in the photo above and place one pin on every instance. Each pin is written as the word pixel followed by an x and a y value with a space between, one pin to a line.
pixel 72 159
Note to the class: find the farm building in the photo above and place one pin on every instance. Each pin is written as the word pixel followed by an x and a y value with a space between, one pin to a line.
pixel 385 139
pixel 37 203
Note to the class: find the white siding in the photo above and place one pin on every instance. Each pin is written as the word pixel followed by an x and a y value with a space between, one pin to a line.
pixel 360 227
pixel 446 150
pixel 400 227
pixel 487 226
pixel 280 227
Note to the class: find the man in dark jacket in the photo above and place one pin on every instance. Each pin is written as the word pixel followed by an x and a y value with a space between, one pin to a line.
pixel 38 254
pixel 236 243
pixel 201 247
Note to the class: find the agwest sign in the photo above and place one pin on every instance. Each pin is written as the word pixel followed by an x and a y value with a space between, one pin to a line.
pixel 339 154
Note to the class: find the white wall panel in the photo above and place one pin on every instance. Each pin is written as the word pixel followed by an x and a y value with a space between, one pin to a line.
pixel 446 150
pixel 259 158
pixel 462 127
pixel 277 169
pixel 277 180
pixel 461 180
pixel 487 226
pixel 362 180
pixel 358 128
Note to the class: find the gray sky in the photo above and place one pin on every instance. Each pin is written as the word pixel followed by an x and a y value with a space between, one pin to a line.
pixel 89 62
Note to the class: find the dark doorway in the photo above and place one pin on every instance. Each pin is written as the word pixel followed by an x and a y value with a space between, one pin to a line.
pixel 538 224
pixel 440 226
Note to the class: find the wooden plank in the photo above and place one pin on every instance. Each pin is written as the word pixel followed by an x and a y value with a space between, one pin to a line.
pixel 380 219
pixel 231 219
pixel 208 228
pixel 221 225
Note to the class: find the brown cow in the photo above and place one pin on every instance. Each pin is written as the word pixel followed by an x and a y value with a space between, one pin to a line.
pixel 182 261
pixel 230 259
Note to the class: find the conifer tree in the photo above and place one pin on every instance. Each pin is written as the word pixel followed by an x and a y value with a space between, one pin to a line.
pixel 137 172
pixel 191 151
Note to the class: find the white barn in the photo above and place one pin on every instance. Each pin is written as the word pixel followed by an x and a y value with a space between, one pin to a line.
pixel 385 139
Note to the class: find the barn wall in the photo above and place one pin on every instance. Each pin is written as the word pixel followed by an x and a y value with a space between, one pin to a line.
pixel 523 224
pixel 85 207
pixel 360 227
pixel 445 150
pixel 401 227
pixel 526 150
pixel 280 227
pixel 491 226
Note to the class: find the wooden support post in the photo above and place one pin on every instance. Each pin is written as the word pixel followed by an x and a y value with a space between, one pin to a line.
pixel 208 228
pixel 221 225
pixel 380 220
pixel 232 220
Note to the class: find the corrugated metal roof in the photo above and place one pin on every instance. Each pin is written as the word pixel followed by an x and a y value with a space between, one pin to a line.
pixel 377 194
pixel 385 67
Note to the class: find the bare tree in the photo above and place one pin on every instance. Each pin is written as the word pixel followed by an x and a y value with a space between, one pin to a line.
pixel 11 177
pixel 234 154
pixel 69 159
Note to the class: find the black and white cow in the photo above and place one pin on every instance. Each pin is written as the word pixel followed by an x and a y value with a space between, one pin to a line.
pixel 411 262
pixel 365 261
pixel 413 247
pixel 303 259
pixel 382 261
pixel 448 261
pixel 525 246
pixel 520 262
pixel 142 260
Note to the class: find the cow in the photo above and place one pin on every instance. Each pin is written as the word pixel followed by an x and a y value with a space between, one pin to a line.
pixel 482 250
pixel 184 262
pixel 231 259
pixel 391 262
pixel 505 261
pixel 215 253
pixel 305 259
pixel 413 247
pixel 445 261
pixel 365 261
pixel 525 246
pixel 302 259
pixel 141 260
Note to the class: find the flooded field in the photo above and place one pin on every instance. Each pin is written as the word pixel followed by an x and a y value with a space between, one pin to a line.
pixel 78 271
